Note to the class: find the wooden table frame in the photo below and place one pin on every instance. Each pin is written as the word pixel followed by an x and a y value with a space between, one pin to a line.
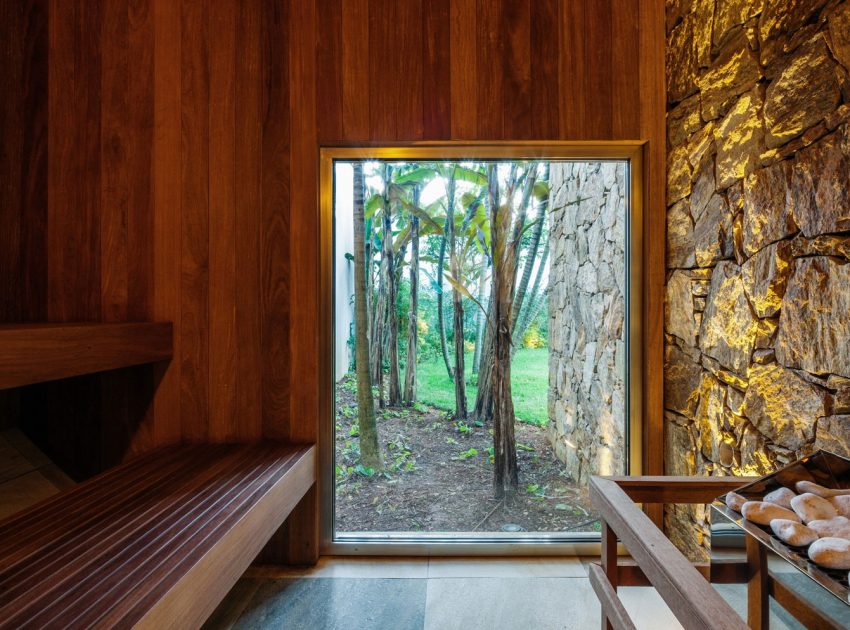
pixel 655 561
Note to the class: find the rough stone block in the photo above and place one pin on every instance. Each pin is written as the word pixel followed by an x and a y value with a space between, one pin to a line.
pixel 682 377
pixel 713 232
pixel 739 138
pixel 833 434
pixel 768 210
pixel 766 276
pixel 814 327
pixel 734 72
pixel 729 327
pixel 820 185
pixel 680 236
pixel 806 91
pixel 783 406
pixel 679 311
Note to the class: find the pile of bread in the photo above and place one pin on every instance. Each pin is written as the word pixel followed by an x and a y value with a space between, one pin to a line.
pixel 815 517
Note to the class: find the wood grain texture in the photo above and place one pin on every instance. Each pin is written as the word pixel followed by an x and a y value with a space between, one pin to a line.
pixel 35 353
pixel 436 24
pixel 615 613
pixel 652 127
pixel 222 221
pixel 195 190
pixel 167 217
pixel 248 225
pixel 176 180
pixel 669 489
pixel 355 70
pixel 156 542
pixel 690 597
pixel 303 252
pixel 276 221
pixel 463 63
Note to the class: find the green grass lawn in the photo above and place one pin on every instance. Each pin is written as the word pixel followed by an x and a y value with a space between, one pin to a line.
pixel 529 382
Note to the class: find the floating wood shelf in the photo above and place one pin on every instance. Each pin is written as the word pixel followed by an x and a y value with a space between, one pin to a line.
pixel 34 353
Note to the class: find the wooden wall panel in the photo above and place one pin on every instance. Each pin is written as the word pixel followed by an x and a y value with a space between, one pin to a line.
pixel 195 190
pixel 248 221
pixel 222 221
pixel 167 217
pixel 177 177
pixel 436 70
pixel 275 218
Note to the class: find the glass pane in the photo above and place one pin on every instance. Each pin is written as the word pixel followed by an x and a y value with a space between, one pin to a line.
pixel 513 275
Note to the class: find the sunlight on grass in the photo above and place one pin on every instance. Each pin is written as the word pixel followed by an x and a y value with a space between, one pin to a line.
pixel 529 380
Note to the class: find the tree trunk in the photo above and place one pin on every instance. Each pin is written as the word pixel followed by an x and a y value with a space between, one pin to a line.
pixel 533 307
pixel 505 473
pixel 409 396
pixel 376 350
pixel 531 256
pixel 391 314
pixel 484 399
pixel 441 319
pixel 370 452
pixel 457 307
pixel 512 229
pixel 481 316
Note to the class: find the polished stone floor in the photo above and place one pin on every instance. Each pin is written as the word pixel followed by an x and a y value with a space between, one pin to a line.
pixel 438 594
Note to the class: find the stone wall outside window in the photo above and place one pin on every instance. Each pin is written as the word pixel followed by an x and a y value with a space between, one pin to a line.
pixel 587 351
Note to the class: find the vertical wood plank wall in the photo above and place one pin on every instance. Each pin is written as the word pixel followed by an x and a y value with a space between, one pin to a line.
pixel 159 161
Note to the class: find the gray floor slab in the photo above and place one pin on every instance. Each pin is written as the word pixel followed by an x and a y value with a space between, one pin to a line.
pixel 336 604
pixel 511 604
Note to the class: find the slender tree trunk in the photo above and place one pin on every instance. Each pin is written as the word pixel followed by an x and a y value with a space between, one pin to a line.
pixel 505 473
pixel 376 356
pixel 531 255
pixel 370 452
pixel 484 399
pixel 483 410
pixel 481 316
pixel 441 318
pixel 537 299
pixel 457 307
pixel 409 396
pixel 391 316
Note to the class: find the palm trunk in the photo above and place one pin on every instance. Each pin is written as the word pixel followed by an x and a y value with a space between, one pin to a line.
pixel 505 473
pixel 531 255
pixel 457 307
pixel 409 396
pixel 376 351
pixel 480 317
pixel 441 319
pixel 370 453
pixel 533 307
pixel 391 315
pixel 483 411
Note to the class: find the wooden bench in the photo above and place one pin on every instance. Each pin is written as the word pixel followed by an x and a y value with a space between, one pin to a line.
pixel 156 542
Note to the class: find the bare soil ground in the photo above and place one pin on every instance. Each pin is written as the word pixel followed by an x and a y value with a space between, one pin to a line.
pixel 438 477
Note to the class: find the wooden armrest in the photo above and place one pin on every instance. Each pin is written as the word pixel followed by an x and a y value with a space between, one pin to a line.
pixel 669 489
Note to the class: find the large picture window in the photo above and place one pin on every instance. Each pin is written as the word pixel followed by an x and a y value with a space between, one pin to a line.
pixel 480 303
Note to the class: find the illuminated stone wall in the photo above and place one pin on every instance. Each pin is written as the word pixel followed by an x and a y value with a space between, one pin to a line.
pixel 587 351
pixel 758 239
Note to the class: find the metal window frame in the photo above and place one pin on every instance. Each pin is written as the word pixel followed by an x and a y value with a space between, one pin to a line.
pixel 473 544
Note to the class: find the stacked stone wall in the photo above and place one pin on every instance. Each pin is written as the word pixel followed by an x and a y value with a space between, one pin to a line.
pixel 757 356
pixel 587 351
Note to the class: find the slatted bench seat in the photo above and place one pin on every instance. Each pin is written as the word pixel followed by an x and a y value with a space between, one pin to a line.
pixel 156 542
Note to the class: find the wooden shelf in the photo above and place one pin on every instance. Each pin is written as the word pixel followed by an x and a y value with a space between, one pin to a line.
pixel 34 353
